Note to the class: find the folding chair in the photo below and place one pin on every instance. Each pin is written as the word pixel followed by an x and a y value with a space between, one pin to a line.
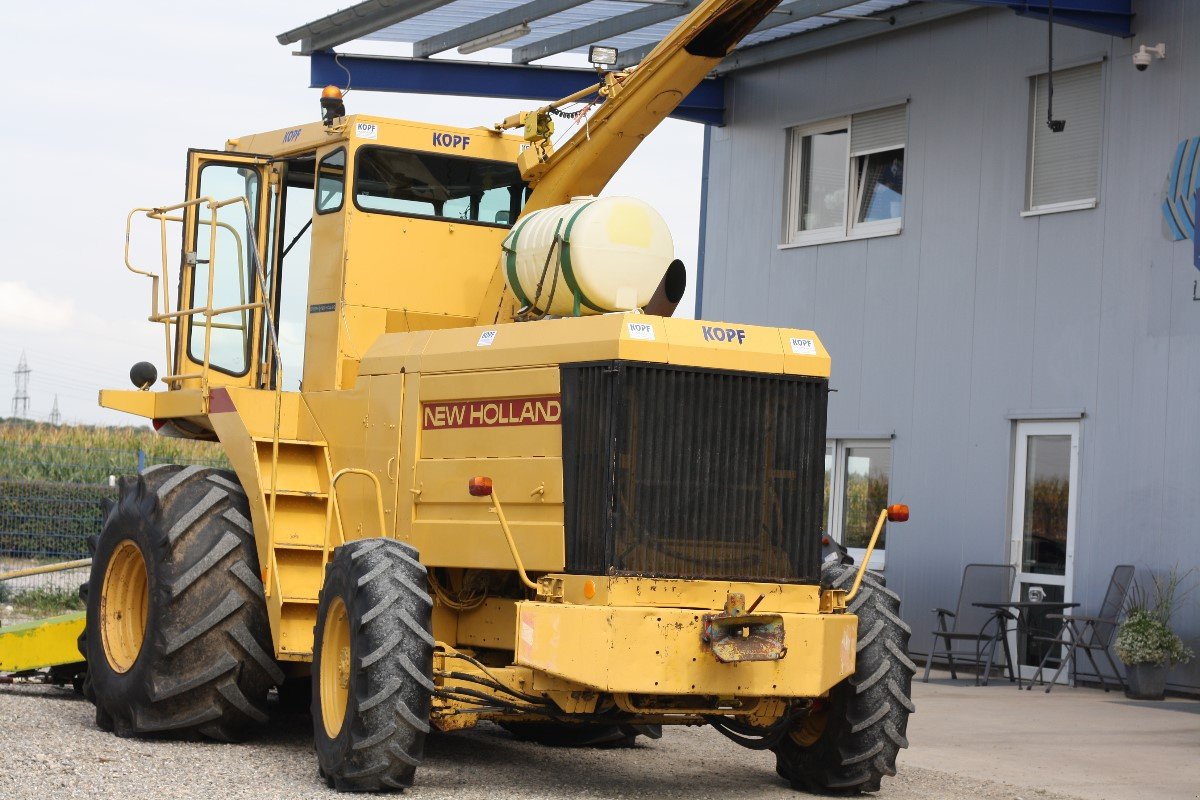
pixel 981 583
pixel 1079 632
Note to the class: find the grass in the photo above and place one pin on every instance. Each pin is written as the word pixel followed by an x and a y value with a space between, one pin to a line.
pixel 31 451
pixel 45 602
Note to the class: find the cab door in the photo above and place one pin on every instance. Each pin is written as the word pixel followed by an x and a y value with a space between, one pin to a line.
pixel 225 245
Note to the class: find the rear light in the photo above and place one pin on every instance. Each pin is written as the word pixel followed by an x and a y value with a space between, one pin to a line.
pixel 480 486
pixel 897 513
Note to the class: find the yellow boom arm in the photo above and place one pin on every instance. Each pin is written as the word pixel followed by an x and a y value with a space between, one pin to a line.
pixel 634 107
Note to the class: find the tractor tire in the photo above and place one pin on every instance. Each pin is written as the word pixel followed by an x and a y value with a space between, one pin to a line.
pixel 176 638
pixel 580 734
pixel 851 742
pixel 372 667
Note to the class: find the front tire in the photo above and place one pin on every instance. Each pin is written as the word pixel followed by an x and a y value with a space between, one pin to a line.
pixel 372 667
pixel 177 639
pixel 852 739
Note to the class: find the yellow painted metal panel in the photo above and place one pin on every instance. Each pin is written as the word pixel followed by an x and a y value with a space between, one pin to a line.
pixel 670 593
pixel 42 643
pixel 447 543
pixel 492 625
pixel 499 383
pixel 803 353
pixel 659 651
pixel 300 574
pixel 300 521
pixel 296 631
pixel 517 481
pixel 721 345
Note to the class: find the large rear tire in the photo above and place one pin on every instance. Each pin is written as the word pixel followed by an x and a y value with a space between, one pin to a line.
pixel 852 739
pixel 372 667
pixel 177 639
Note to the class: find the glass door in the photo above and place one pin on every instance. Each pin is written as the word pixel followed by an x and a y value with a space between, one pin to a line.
pixel 1042 545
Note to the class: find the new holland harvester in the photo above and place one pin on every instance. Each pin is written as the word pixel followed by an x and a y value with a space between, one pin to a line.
pixel 478 470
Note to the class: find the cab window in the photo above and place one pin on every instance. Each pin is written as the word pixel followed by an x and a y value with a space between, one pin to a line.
pixel 227 251
pixel 412 183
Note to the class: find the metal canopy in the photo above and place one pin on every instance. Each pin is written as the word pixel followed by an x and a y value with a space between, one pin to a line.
pixel 536 29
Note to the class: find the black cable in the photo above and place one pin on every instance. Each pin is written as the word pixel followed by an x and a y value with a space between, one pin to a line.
pixel 1055 125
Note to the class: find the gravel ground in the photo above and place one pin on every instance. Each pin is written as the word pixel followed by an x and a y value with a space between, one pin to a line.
pixel 50 748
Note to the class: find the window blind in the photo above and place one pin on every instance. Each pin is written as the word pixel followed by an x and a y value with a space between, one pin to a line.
pixel 882 129
pixel 1064 167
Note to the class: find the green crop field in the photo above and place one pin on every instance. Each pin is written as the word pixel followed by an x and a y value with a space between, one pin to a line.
pixel 31 451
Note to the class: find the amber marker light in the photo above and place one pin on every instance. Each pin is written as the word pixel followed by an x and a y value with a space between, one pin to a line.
pixel 479 486
pixel 589 589
pixel 897 513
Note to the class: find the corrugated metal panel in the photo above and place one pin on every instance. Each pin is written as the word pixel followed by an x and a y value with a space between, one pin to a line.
pixel 462 12
pixel 692 473
pixel 973 311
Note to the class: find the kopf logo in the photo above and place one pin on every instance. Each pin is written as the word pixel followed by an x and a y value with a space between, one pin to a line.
pixel 714 334
pixel 453 141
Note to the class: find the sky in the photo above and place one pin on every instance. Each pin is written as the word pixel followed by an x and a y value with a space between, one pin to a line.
pixel 104 99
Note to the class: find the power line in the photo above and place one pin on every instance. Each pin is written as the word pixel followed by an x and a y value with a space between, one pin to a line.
pixel 20 403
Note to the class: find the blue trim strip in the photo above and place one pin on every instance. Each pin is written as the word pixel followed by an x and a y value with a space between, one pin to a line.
pixel 1111 17
pixel 705 104
pixel 704 165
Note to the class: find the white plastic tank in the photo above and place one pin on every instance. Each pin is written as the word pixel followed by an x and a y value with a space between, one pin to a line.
pixel 590 256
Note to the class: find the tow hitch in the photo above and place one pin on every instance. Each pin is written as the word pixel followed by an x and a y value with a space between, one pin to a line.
pixel 739 634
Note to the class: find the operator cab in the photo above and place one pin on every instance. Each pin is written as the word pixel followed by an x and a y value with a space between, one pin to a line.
pixel 349 231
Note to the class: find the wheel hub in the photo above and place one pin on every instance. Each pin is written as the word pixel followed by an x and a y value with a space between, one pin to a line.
pixel 124 606
pixel 335 667
pixel 809 730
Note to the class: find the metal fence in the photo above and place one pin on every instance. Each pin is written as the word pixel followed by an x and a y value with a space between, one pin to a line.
pixel 52 498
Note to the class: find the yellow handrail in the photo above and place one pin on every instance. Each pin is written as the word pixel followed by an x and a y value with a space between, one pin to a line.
pixel 332 509
pixel 208 313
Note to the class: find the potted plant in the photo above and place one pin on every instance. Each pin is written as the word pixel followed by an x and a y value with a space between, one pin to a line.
pixel 1146 644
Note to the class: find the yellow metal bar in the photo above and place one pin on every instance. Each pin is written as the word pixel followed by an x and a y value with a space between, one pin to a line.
pixel 43 643
pixel 42 570
pixel 512 545
pixel 862 568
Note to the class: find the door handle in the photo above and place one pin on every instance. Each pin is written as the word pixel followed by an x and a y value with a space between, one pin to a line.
pixel 391 462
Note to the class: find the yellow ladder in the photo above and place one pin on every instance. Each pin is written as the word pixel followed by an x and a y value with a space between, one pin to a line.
pixel 298 489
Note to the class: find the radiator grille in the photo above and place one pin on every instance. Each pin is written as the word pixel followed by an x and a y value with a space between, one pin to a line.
pixel 682 472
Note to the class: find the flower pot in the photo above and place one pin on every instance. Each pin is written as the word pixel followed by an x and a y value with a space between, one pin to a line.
pixel 1146 681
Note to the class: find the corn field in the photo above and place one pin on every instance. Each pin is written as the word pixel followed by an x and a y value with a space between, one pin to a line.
pixel 55 482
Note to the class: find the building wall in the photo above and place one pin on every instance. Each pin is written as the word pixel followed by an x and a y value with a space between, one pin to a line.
pixel 974 313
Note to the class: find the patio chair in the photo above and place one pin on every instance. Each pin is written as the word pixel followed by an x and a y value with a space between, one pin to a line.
pixel 981 583
pixel 1089 634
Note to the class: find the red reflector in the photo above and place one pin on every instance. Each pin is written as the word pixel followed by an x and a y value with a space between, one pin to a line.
pixel 898 513
pixel 825 541
pixel 479 486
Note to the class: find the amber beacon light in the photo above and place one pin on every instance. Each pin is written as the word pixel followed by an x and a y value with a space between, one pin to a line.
pixel 897 513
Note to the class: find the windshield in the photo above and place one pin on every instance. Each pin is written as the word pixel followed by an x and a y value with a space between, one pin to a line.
pixel 414 183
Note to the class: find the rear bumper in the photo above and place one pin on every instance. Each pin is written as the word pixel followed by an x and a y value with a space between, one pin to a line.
pixel 660 651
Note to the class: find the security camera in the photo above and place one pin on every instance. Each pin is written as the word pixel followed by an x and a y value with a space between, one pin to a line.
pixel 1144 55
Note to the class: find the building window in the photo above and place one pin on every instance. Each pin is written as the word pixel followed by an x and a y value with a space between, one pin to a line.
pixel 1064 168
pixel 857 478
pixel 846 177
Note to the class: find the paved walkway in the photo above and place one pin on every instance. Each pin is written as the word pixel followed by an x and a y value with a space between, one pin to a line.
pixel 1080 742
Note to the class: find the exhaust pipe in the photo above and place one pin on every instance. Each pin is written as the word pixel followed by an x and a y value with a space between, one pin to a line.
pixel 669 292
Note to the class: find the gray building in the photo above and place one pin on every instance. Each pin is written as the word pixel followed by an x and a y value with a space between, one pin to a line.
pixel 1014 328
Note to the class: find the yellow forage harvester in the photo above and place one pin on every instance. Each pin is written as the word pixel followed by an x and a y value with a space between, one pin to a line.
pixel 479 472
